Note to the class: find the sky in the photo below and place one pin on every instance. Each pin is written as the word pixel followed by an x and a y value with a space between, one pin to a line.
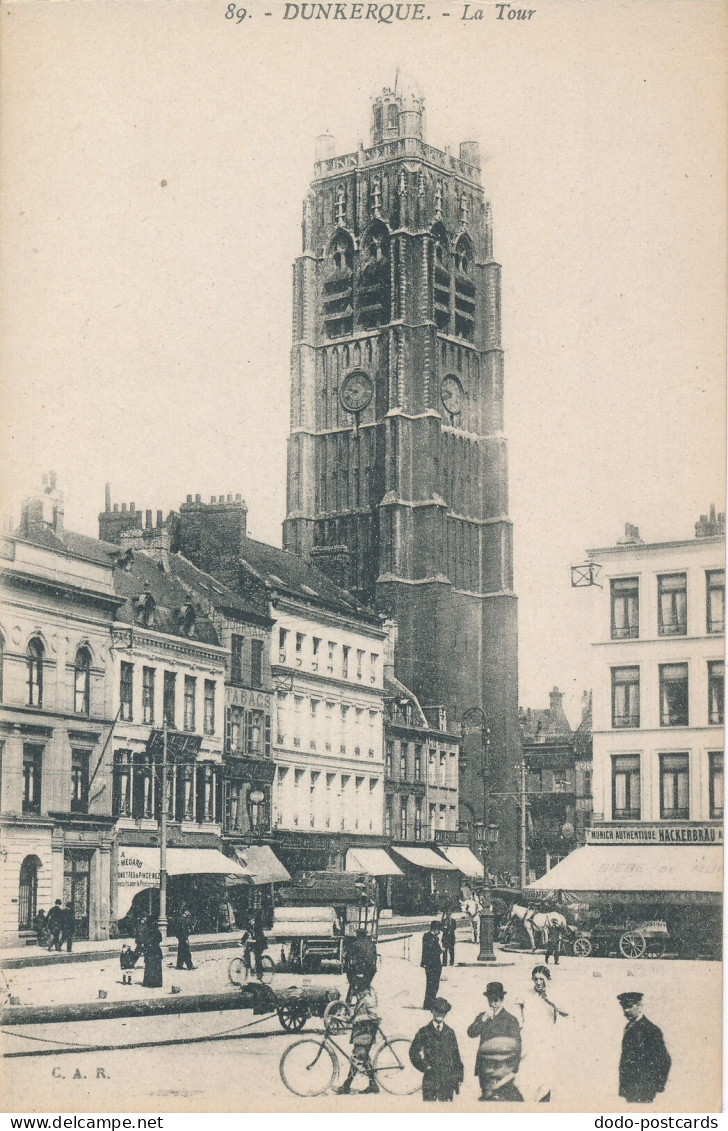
pixel 155 158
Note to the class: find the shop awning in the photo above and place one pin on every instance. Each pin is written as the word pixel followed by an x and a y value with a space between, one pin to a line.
pixel 425 858
pixel 261 864
pixel 138 868
pixel 636 868
pixel 371 861
pixel 464 860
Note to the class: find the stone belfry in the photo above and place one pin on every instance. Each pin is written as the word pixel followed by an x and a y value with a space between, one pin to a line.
pixel 397 462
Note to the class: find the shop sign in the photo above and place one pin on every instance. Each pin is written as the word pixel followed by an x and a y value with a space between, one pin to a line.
pixel 133 875
pixel 242 697
pixel 180 747
pixel 660 835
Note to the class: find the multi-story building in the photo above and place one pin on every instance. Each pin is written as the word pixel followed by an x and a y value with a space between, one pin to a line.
pixel 57 695
pixel 421 806
pixel 558 782
pixel 658 729
pixel 326 666
pixel 397 461
pixel 243 784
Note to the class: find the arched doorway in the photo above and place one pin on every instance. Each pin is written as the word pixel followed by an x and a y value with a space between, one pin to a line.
pixel 28 893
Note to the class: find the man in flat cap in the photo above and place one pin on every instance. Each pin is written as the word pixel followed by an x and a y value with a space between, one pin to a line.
pixel 435 1053
pixel 645 1062
pixel 499 1051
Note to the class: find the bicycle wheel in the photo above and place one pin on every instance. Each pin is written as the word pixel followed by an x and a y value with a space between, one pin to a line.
pixel 238 972
pixel 394 1069
pixel 308 1068
pixel 267 966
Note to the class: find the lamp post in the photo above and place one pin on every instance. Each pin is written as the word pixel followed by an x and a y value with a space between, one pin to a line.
pixel 472 718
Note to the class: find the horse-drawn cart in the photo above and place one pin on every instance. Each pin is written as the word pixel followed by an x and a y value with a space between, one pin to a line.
pixel 629 938
pixel 293 1004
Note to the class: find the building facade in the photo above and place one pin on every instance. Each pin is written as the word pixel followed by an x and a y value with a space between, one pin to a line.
pixel 320 696
pixel 658 698
pixel 558 782
pixel 57 605
pixel 397 462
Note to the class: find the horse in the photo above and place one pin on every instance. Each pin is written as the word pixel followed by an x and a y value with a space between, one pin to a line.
pixel 537 921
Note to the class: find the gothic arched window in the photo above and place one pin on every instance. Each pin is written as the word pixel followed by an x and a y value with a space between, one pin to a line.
pixel 82 682
pixel 441 279
pixel 464 289
pixel 35 655
pixel 374 284
pixel 392 117
pixel 339 286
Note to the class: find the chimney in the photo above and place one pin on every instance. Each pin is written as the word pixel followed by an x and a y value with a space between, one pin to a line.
pixel 390 644
pixel 148 520
pixel 586 704
pixel 160 518
pixel 212 534
pixel 631 536
pixel 710 526
pixel 556 698
pixel 107 496
pixel 44 510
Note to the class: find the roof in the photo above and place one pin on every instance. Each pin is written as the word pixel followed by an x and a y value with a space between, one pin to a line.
pixel 144 576
pixel 209 589
pixel 395 689
pixel 288 574
pixel 68 542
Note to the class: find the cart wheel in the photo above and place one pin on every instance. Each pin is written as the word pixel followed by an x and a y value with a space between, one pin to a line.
pixel 393 1068
pixel 582 947
pixel 292 1018
pixel 308 1067
pixel 632 944
pixel 337 1016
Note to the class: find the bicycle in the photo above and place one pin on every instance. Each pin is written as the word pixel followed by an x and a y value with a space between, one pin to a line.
pixel 240 969
pixel 310 1067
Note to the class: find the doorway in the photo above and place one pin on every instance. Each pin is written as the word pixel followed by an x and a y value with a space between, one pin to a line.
pixel 77 887
pixel 28 893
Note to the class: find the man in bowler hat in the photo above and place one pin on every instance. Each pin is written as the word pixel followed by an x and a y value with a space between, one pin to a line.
pixel 499 1051
pixel 431 962
pixel 645 1062
pixel 435 1053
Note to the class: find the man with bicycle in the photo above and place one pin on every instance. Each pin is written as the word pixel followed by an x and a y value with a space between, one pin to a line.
pixel 365 1023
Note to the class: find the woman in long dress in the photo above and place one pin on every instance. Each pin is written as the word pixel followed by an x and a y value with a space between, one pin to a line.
pixel 152 949
pixel 540 1035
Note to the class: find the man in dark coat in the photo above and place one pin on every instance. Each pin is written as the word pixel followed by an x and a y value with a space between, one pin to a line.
pixel 68 927
pixel 645 1062
pixel 54 925
pixel 435 1053
pixel 448 939
pixel 431 962
pixel 184 954
pixel 360 961
pixel 499 1051
pixel 259 943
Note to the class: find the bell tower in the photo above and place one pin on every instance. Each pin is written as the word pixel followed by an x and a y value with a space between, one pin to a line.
pixel 397 461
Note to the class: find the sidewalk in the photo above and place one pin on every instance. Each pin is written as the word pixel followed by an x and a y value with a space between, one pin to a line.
pixel 84 951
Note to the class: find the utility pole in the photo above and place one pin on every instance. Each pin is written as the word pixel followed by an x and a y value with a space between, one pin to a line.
pixel 163 838
pixel 524 827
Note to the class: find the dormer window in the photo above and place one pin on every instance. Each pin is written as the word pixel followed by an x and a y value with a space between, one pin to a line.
pixel 187 618
pixel 144 607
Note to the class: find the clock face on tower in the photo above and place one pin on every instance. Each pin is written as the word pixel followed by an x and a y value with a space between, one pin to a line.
pixel 356 391
pixel 451 395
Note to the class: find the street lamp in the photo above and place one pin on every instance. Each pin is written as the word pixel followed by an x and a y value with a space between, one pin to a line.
pixel 475 718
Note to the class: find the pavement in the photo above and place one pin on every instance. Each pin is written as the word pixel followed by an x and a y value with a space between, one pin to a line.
pixel 229 1061
pixel 12 958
